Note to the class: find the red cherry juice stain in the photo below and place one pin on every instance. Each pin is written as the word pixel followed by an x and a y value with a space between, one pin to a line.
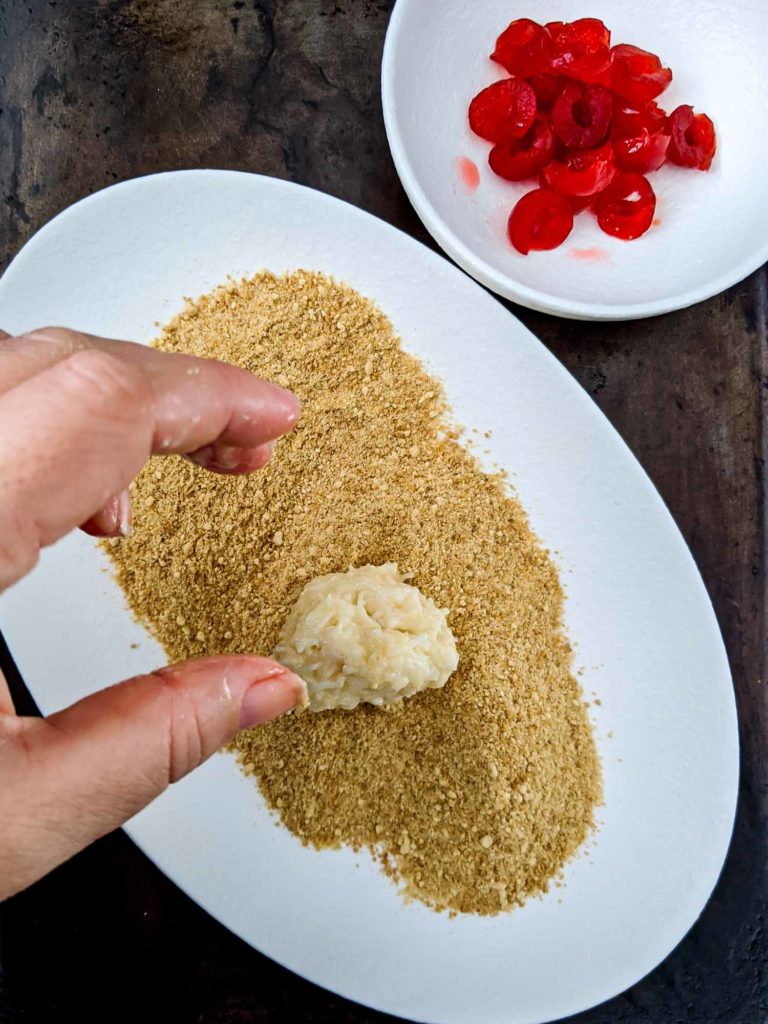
pixel 468 173
pixel 657 222
pixel 593 255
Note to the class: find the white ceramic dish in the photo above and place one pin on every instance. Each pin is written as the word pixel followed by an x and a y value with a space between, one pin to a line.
pixel 121 260
pixel 714 227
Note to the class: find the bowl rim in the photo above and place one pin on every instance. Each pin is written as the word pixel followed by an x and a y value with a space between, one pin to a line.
pixel 498 282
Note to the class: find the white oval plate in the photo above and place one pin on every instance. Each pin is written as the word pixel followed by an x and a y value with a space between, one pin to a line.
pixel 121 260
pixel 714 226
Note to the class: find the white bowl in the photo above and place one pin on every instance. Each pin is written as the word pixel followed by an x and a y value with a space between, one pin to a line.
pixel 713 227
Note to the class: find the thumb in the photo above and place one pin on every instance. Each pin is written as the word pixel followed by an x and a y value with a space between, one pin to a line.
pixel 70 778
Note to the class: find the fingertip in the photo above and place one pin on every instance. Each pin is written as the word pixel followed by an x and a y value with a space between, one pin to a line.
pixel 237 675
pixel 278 409
pixel 288 404
pixel 113 520
pixel 259 689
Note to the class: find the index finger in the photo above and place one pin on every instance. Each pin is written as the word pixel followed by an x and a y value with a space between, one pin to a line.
pixel 79 431
pixel 28 355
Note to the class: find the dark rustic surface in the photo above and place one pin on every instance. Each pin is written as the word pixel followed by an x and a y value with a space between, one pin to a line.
pixel 95 91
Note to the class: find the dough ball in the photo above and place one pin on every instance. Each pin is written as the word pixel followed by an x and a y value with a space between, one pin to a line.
pixel 366 635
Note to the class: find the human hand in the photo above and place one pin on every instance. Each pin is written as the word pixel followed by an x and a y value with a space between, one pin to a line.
pixel 79 417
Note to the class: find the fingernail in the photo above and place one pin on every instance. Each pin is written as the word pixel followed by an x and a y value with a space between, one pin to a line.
pixel 201 457
pixel 256 458
pixel 108 520
pixel 220 458
pixel 224 456
pixel 114 519
pixel 269 698
pixel 123 509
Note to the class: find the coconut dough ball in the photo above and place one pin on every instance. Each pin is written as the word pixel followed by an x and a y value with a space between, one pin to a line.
pixel 366 635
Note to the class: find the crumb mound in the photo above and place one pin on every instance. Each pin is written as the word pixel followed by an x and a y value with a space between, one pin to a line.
pixel 472 796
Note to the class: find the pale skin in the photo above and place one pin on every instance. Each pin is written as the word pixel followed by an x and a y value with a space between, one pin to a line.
pixel 79 417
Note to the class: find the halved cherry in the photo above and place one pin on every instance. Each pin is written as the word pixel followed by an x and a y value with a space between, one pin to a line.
pixel 581 115
pixel 630 120
pixel 503 111
pixel 541 220
pixel 642 152
pixel 694 142
pixel 524 48
pixel 547 88
pixel 522 158
pixel 578 203
pixel 581 49
pixel 582 174
pixel 626 208
pixel 636 74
